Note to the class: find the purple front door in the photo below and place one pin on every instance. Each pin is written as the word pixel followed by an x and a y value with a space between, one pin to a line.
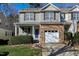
pixel 36 33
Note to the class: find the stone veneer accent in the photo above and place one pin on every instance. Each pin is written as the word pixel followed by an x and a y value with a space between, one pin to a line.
pixel 59 27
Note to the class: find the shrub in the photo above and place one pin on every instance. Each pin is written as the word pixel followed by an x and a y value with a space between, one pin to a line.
pixel 76 38
pixel 20 40
pixel 68 35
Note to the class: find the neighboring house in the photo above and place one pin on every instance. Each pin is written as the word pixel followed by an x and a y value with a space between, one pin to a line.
pixel 5 30
pixel 46 24
pixel 10 20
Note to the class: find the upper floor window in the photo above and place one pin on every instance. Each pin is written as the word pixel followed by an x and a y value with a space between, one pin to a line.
pixel 29 16
pixel 49 15
pixel 75 16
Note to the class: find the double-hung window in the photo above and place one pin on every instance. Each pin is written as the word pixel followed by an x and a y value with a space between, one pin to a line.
pixel 26 16
pixel 49 15
pixel 46 15
pixel 75 16
pixel 29 16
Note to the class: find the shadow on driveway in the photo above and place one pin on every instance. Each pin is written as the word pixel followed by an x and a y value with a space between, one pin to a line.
pixel 61 50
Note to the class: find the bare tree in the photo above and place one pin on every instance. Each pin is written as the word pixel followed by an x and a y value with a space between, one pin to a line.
pixel 8 8
pixel 36 5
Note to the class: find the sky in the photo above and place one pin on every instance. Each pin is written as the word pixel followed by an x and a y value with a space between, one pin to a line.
pixel 21 5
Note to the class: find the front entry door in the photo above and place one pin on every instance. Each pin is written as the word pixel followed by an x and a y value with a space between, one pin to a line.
pixel 36 33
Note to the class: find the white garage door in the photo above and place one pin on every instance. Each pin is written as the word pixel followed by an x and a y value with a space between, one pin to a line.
pixel 51 36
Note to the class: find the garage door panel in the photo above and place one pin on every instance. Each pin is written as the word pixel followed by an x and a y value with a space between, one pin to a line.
pixel 47 37
pixel 51 36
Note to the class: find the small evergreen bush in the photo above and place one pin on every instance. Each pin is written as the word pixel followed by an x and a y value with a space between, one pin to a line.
pixel 68 35
pixel 20 40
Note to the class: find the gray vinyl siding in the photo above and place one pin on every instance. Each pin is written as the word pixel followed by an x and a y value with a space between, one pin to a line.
pixel 5 26
pixel 58 17
pixel 21 17
pixel 4 34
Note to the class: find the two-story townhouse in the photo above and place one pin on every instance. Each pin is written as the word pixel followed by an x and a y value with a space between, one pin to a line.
pixel 46 24
pixel 71 16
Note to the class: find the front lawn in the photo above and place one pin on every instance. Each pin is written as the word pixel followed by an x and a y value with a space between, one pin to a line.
pixel 20 50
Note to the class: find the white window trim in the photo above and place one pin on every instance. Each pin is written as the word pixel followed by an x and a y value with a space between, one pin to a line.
pixel 49 16
pixel 29 16
pixel 75 16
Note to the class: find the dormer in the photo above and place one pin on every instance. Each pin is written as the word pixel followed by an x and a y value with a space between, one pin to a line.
pixel 50 7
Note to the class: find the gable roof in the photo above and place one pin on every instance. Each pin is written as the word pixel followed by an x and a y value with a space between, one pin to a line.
pixel 76 6
pixel 51 5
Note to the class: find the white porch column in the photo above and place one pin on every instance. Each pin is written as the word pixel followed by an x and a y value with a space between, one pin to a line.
pixel 16 30
pixel 33 32
pixel 20 31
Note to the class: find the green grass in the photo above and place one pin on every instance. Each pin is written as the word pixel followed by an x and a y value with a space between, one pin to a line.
pixel 20 50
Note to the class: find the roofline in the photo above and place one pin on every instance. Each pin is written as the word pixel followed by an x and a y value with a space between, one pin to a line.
pixel 74 7
pixel 59 9
pixel 51 5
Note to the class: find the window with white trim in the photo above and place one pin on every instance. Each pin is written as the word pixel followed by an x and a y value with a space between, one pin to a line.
pixel 75 16
pixel 29 16
pixel 49 15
